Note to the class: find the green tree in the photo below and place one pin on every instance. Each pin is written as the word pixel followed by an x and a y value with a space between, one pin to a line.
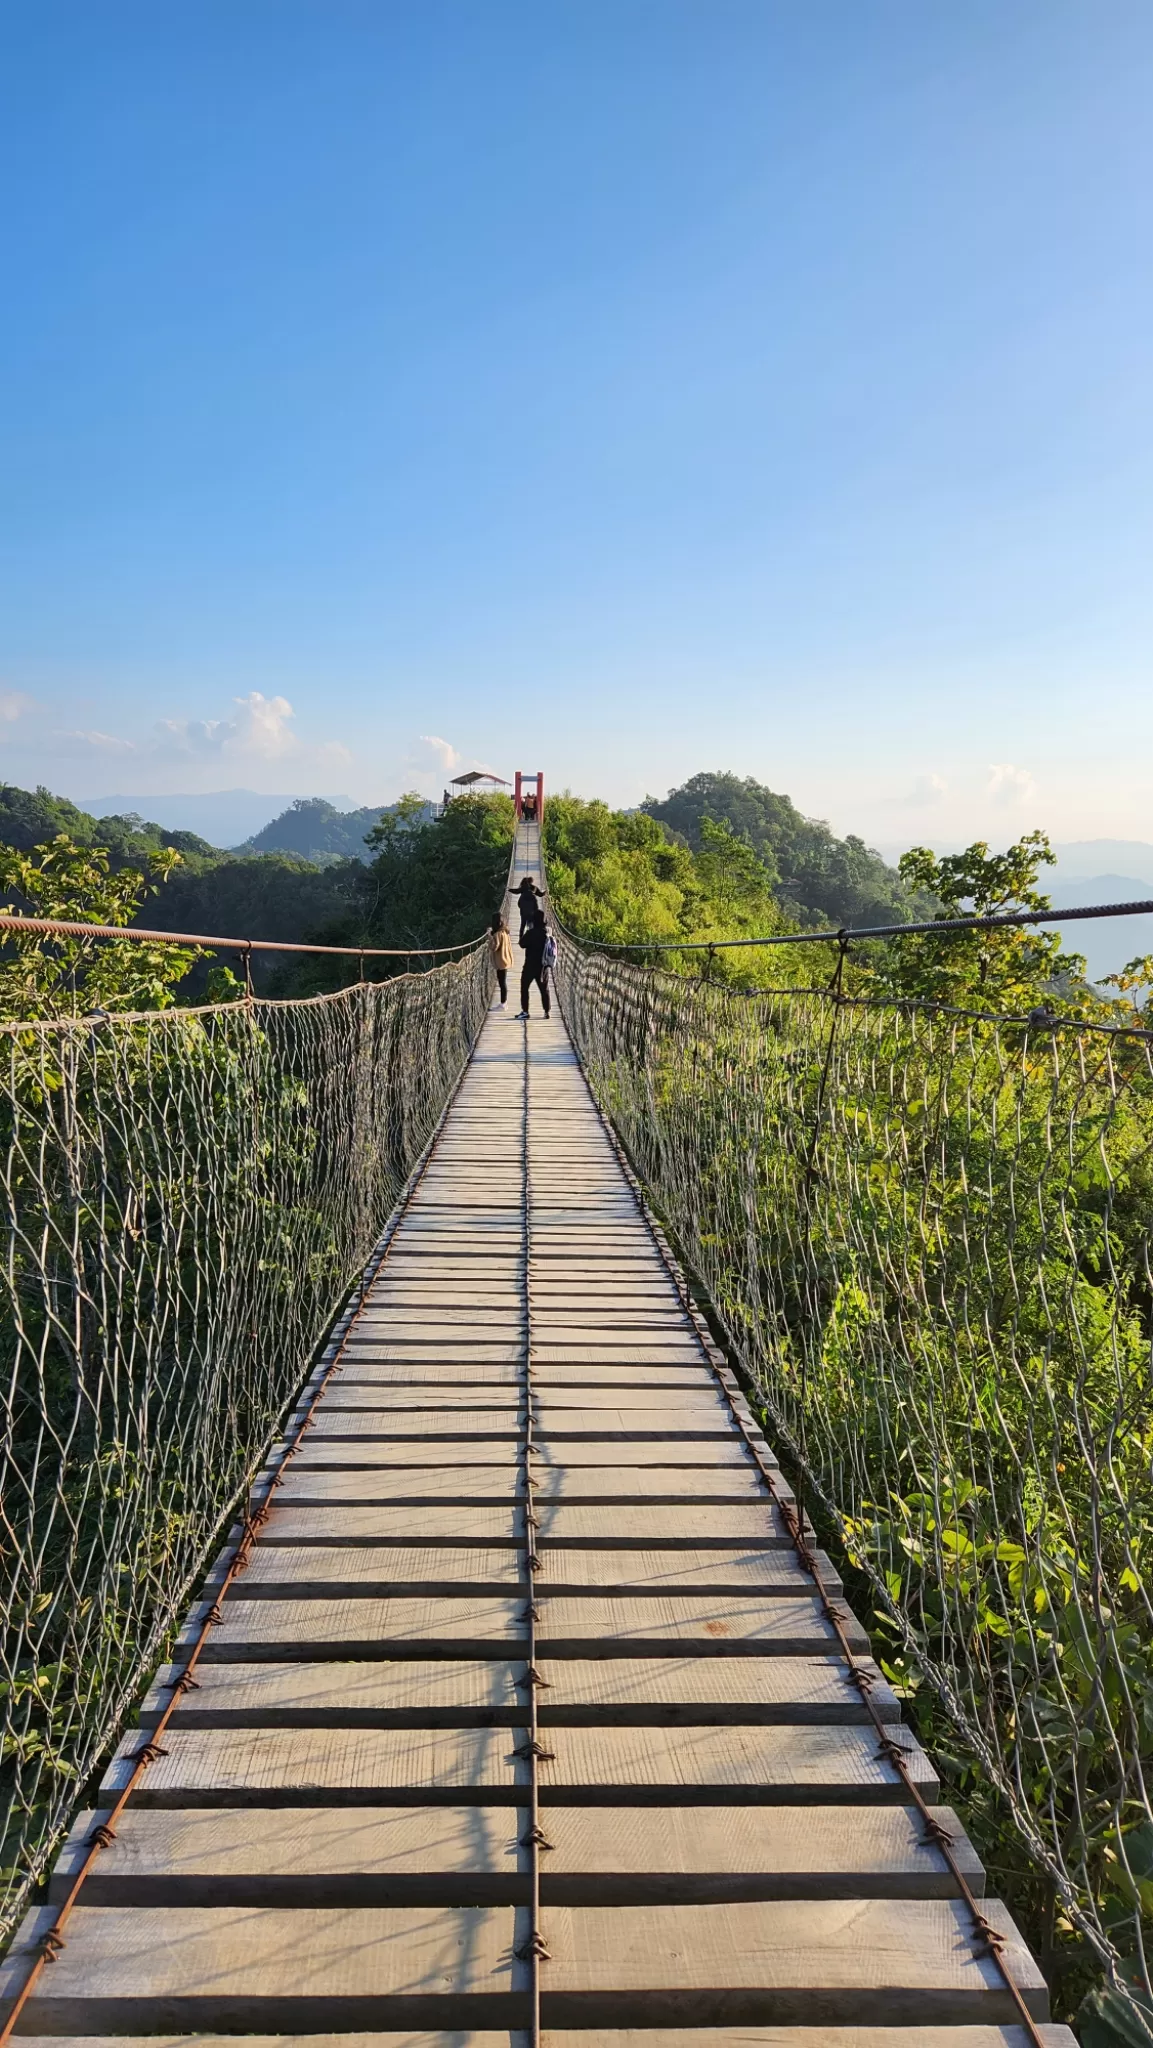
pixel 1011 968
pixel 42 976
pixel 819 878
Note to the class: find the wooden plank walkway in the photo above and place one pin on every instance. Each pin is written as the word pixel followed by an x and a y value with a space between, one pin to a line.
pixel 526 1710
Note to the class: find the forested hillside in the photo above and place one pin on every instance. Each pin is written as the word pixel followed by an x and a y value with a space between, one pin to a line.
pixel 816 877
pixel 719 858
pixel 31 817
pixel 316 831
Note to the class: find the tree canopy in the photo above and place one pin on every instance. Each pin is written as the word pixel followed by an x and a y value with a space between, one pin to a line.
pixel 819 878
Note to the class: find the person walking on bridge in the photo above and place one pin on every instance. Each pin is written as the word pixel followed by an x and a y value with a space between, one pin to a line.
pixel 537 942
pixel 528 903
pixel 500 946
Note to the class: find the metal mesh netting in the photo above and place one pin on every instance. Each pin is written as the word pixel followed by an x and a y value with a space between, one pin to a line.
pixel 187 1196
pixel 928 1237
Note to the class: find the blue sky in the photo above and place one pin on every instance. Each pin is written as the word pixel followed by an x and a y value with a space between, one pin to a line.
pixel 623 387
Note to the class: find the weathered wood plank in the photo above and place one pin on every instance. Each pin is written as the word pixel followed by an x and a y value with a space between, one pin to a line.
pixel 308 1484
pixel 321 1855
pixel 280 1631
pixel 324 1766
pixel 778 1573
pixel 672 1691
pixel 734 1481
pixel 771 1766
pixel 626 1523
pixel 412 1425
pixel 710 1453
pixel 449 1692
pixel 461 1692
pixel 766 2036
pixel 198 1968
pixel 874 1961
pixel 469 1855
pixel 839 1962
pixel 716 1625
pixel 282 1571
pixel 386 1522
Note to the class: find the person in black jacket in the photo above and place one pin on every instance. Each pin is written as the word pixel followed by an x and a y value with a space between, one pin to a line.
pixel 534 941
pixel 527 903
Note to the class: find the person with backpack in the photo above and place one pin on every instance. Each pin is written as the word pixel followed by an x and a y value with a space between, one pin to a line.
pixel 500 947
pixel 539 954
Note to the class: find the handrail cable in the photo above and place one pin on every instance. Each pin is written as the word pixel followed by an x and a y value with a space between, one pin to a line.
pixel 54 927
pixel 870 931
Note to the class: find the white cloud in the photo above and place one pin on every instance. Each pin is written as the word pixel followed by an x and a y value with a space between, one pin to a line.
pixel 926 790
pixel 85 744
pixel 1009 785
pixel 13 705
pixel 446 754
pixel 259 730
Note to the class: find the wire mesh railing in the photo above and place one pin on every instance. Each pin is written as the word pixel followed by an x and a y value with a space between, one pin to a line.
pixel 927 1235
pixel 187 1196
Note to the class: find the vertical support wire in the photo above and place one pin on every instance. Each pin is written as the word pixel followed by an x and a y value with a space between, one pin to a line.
pixel 534 1951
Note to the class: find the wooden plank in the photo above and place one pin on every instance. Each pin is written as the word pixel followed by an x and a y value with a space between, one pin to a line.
pixel 626 1523
pixel 447 1522
pixel 419 1693
pixel 778 1573
pixel 578 1348
pixel 358 1393
pixel 465 1485
pixel 711 1454
pixel 317 1571
pixel 590 1625
pixel 877 1962
pixel 770 1766
pixel 469 1855
pixel 325 1766
pixel 459 1692
pixel 319 1856
pixel 391 1350
pixel 196 1968
pixel 648 1424
pixel 280 1631
pixel 765 2036
pixel 414 1453
pixel 841 1962
pixel 674 1855
pixel 430 1372
pixel 652 1379
pixel 675 1691
pixel 404 1426
pixel 658 2037
pixel 735 1481
pixel 554 1405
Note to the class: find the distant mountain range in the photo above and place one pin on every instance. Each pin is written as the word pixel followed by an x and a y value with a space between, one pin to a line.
pixel 1090 871
pixel 226 817
pixel 330 828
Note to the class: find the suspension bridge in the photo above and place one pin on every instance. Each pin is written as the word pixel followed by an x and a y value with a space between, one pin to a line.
pixel 522 1704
